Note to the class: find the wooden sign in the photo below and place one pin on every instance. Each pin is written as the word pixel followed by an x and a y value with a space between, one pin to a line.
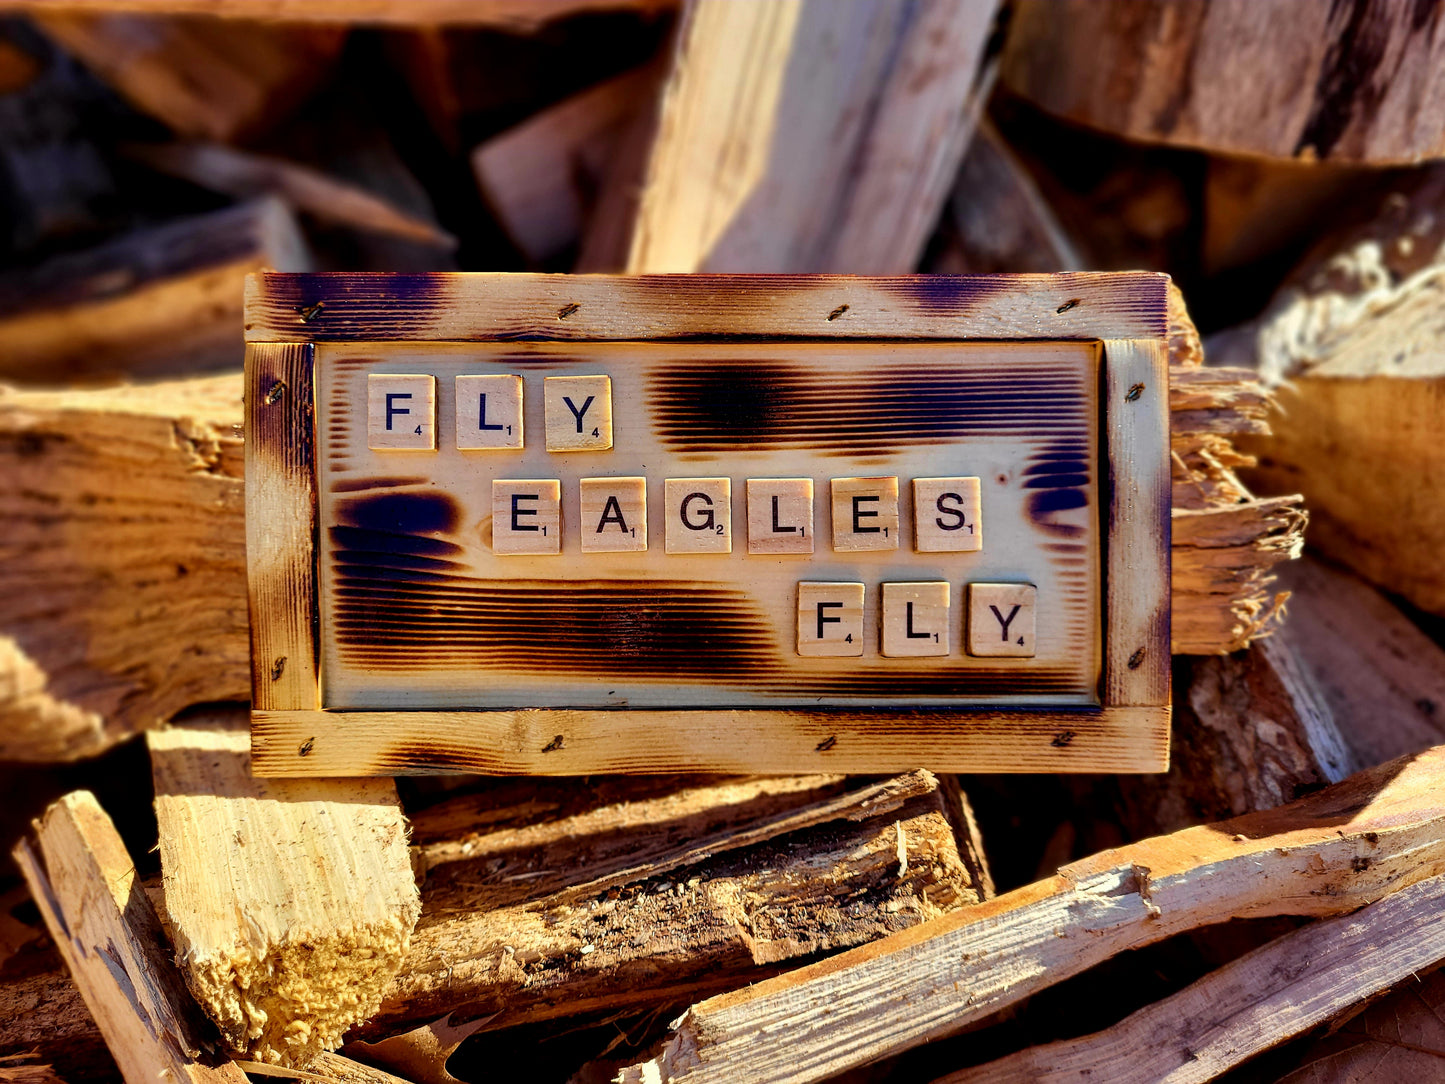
pixel 565 525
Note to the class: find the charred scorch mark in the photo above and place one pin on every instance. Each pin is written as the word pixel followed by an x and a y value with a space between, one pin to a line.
pixel 402 513
pixel 738 406
pixel 945 295
pixel 405 301
pixel 354 485
pixel 1059 479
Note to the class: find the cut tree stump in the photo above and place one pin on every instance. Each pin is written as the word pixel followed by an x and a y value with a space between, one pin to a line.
pixel 1265 997
pixel 1312 79
pixel 161 300
pixel 798 137
pixel 86 887
pixel 648 891
pixel 1331 853
pixel 1355 341
pixel 291 903
pixel 127 503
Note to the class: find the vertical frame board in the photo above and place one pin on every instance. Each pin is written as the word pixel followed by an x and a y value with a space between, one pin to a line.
pixel 281 526
pixel 1124 313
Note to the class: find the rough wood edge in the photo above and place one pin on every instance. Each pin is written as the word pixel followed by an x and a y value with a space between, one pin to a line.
pixel 568 742
pixel 1136 640
pixel 471 307
pixel 281 525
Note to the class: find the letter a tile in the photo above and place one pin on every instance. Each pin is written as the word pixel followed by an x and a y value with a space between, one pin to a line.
pixel 613 515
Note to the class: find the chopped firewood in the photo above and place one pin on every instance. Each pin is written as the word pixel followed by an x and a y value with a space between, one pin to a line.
pixel 43 1013
pixel 1354 339
pixel 541 177
pixel 291 903
pixel 244 175
pixel 205 79
pixel 160 300
pixel 144 607
pixel 797 137
pixel 1313 80
pixel 1376 833
pixel 527 919
pixel 341 1070
pixel 86 887
pixel 1269 995
pixel 1251 731
pixel 1383 679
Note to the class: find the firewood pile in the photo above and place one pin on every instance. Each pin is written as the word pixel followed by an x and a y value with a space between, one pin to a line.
pixel 1272 909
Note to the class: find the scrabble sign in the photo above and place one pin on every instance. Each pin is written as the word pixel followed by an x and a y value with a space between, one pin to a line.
pixel 551 524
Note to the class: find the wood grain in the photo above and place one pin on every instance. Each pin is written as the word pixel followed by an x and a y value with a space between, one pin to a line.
pixel 281 525
pixel 1349 845
pixel 520 16
pixel 566 742
pixel 374 307
pixel 85 884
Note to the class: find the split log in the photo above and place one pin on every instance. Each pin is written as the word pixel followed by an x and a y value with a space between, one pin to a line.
pixel 1380 676
pixel 245 175
pixel 128 505
pixel 43 1013
pixel 1329 854
pixel 156 301
pixel 204 78
pixel 647 892
pixel 112 942
pixel 516 16
pixel 800 137
pixel 291 903
pixel 541 178
pixel 1251 731
pixel 1355 340
pixel 1360 82
pixel 1265 997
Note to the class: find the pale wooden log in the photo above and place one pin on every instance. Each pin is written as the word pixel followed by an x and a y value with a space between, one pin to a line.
pixel 157 301
pixel 1265 997
pixel 1380 676
pixel 680 890
pixel 1354 340
pixel 541 176
pixel 801 136
pixel 1251 731
pixel 519 16
pixel 342 1070
pixel 1310 80
pixel 86 887
pixel 203 78
pixel 24 1069
pixel 291 904
pixel 1378 832
pixel 246 175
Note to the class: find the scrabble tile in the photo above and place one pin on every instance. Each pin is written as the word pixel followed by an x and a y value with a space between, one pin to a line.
pixel 699 515
pixel 830 619
pixel 865 513
pixel 613 515
pixel 1001 619
pixel 946 515
pixel 401 412
pixel 780 515
pixel 915 619
pixel 526 515
pixel 489 412
pixel 578 413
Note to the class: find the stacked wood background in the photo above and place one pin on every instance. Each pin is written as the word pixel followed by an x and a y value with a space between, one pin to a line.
pixel 165 912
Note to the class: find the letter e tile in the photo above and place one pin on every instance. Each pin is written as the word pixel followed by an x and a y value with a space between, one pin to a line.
pixel 527 515
pixel 830 619
pixel 1001 619
pixel 865 513
pixel 578 413
pixel 401 412
pixel 613 515
pixel 946 515
pixel 780 515
pixel 915 619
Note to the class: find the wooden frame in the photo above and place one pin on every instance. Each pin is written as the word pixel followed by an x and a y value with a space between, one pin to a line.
pixel 288 314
